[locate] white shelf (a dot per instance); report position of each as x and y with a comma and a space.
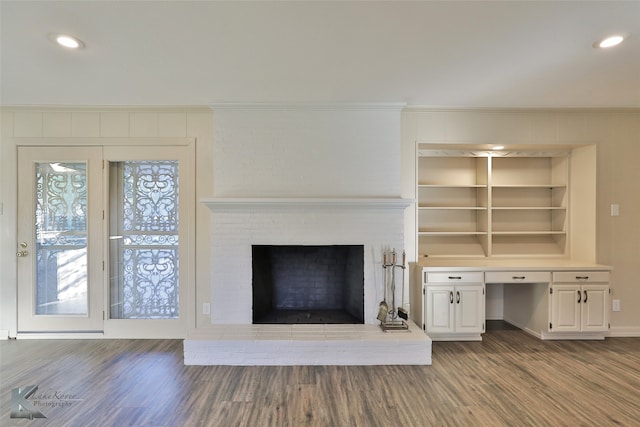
471, 205
452, 233
528, 208
525, 233
528, 186
452, 208
452, 186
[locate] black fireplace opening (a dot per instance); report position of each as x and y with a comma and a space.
308, 284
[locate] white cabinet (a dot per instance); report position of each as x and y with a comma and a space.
476, 203
454, 305
548, 301
579, 302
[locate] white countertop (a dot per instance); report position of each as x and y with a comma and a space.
508, 264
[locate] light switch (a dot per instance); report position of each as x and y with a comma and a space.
615, 305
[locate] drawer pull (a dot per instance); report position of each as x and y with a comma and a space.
518, 277
582, 277
455, 277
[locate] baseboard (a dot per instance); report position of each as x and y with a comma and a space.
58, 335
624, 332
576, 336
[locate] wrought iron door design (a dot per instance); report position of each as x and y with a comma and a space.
144, 240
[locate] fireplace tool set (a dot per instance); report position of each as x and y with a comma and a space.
392, 318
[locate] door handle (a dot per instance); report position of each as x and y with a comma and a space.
22, 252
579, 297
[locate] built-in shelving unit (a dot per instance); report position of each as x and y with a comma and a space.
452, 204
475, 203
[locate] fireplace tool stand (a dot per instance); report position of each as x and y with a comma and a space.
392, 319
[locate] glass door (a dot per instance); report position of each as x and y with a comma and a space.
59, 239
147, 199
103, 240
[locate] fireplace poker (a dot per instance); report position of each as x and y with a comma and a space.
402, 312
384, 308
392, 312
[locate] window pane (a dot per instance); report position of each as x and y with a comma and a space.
61, 238
144, 240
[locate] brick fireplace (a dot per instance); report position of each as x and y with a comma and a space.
241, 224
303, 175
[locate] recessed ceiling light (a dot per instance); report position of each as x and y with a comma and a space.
610, 41
67, 41
498, 147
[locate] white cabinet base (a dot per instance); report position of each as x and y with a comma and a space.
587, 336
549, 300
455, 337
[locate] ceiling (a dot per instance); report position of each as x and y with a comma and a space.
498, 54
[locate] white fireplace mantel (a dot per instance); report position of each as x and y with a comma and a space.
275, 203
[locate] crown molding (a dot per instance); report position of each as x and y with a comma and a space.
308, 106
516, 109
108, 108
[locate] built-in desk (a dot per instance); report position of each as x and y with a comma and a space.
548, 298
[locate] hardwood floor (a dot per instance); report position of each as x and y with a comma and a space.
509, 379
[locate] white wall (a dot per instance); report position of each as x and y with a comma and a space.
374, 164
307, 151
616, 135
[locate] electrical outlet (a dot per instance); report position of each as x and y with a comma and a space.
615, 305
206, 308
615, 209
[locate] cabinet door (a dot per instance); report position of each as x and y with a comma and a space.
594, 308
469, 308
565, 308
439, 309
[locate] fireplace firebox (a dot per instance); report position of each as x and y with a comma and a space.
308, 284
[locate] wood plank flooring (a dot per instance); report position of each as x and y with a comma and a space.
509, 379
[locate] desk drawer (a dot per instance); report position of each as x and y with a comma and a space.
581, 277
456, 277
517, 277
